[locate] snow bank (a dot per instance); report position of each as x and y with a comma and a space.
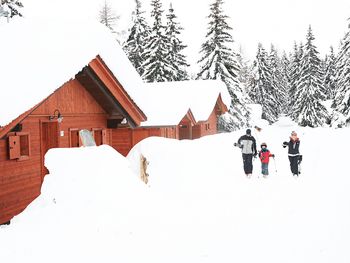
197, 207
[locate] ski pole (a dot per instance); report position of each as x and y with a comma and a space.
274, 161
256, 131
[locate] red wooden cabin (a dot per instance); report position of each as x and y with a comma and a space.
93, 100
97, 95
163, 119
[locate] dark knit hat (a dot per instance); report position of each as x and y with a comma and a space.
248, 132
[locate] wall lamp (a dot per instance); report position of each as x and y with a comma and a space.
56, 115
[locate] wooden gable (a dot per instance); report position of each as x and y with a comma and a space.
111, 93
220, 106
186, 125
99, 81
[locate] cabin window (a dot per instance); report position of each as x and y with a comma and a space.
100, 136
19, 146
86, 138
74, 140
207, 126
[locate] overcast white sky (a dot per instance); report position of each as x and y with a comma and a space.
280, 22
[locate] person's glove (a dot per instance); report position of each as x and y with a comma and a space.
273, 156
238, 145
300, 159
285, 144
255, 155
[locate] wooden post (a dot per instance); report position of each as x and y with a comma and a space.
143, 169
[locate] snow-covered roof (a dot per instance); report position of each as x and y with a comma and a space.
37, 57
167, 103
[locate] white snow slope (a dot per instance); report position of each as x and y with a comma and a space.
197, 207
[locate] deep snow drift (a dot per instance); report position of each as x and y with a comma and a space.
197, 207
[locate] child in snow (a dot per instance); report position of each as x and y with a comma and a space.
264, 155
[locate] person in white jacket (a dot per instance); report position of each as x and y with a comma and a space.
248, 145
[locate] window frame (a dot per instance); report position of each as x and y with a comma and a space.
22, 147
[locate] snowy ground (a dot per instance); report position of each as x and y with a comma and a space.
197, 207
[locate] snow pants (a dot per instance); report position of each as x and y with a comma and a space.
265, 168
293, 160
247, 163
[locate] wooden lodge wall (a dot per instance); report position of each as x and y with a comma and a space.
123, 139
204, 128
20, 180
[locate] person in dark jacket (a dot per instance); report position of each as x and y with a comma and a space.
264, 155
248, 145
294, 155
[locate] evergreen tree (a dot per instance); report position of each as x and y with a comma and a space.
310, 111
14, 6
157, 67
218, 61
245, 74
277, 82
134, 45
295, 70
262, 89
341, 102
286, 79
107, 16
329, 79
323, 69
176, 58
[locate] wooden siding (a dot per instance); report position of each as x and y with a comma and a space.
207, 127
20, 181
186, 125
123, 139
114, 86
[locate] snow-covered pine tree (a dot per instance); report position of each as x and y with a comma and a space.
329, 79
262, 90
286, 79
176, 58
341, 103
157, 67
13, 5
245, 74
323, 74
107, 16
278, 84
134, 45
309, 88
218, 61
295, 69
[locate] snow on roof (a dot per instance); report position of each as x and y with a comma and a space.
38, 57
168, 102
41, 57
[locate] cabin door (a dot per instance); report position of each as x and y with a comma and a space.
49, 139
185, 130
